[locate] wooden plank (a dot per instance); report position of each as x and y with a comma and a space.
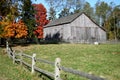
25, 63
39, 70
83, 74
44, 72
45, 61
28, 56
17, 54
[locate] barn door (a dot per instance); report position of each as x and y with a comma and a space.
88, 34
94, 34
80, 37
83, 34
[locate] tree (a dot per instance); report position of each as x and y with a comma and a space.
88, 9
102, 11
13, 29
9, 11
41, 19
64, 12
112, 24
28, 17
4, 7
53, 7
52, 14
78, 5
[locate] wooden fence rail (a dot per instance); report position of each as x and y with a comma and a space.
56, 64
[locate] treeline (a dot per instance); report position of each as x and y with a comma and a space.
104, 14
21, 19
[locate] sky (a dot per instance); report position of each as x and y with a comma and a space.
92, 2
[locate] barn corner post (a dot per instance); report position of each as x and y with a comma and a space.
57, 69
33, 63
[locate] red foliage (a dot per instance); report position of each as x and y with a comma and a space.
41, 20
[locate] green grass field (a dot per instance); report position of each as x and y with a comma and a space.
101, 60
10, 71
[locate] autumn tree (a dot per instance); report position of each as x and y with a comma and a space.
13, 29
41, 19
9, 13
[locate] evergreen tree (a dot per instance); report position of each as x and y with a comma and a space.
28, 17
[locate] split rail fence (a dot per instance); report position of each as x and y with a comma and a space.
56, 64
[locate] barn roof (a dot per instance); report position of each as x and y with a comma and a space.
63, 20
68, 19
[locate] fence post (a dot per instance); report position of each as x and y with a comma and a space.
13, 57
21, 58
7, 49
57, 69
7, 45
33, 63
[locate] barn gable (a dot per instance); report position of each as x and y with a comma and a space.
75, 28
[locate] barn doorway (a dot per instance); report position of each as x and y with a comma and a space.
86, 34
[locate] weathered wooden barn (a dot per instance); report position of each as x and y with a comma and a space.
76, 28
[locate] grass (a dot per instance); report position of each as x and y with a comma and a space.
10, 71
101, 60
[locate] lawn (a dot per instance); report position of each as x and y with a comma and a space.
10, 71
101, 60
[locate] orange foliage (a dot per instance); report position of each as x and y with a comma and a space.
14, 30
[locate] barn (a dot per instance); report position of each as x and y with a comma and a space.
76, 28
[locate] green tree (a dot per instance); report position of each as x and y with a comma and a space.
78, 5
88, 9
52, 13
4, 7
54, 6
28, 16
102, 11
64, 12
112, 24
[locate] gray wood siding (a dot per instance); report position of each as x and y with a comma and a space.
85, 30
81, 30
63, 30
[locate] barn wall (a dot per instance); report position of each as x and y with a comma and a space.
84, 30
83, 21
63, 32
102, 35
